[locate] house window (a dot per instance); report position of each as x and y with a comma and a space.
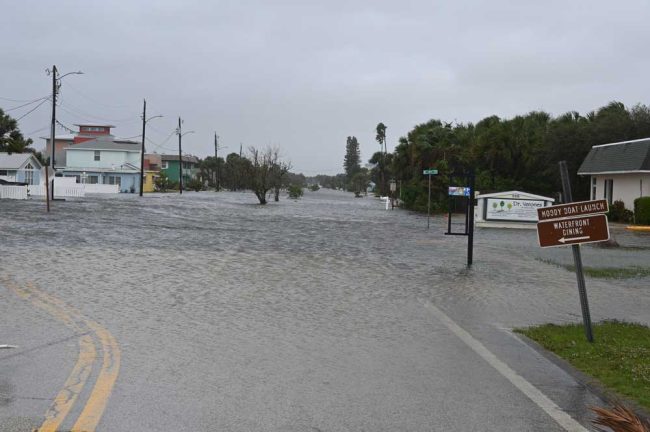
93, 179
3, 172
609, 190
165, 164
113, 180
97, 155
29, 174
594, 181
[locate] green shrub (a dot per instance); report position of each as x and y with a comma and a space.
295, 191
195, 184
618, 213
642, 211
314, 187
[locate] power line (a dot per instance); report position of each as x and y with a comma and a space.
160, 146
65, 127
32, 110
16, 100
25, 104
37, 130
71, 109
127, 138
67, 85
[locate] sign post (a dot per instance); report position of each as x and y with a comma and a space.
573, 223
429, 172
469, 194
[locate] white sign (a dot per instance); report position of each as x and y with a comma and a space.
512, 209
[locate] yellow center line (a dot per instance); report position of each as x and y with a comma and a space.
63, 402
92, 412
66, 398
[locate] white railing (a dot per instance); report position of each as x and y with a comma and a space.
13, 192
101, 188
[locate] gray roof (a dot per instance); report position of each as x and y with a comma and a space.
625, 156
186, 158
16, 161
102, 143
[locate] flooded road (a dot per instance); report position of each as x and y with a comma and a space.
308, 315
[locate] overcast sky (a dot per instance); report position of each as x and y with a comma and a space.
305, 75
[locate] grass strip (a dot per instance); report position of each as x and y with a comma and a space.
606, 272
619, 358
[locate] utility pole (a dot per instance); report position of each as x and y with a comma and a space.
180, 158
52, 128
56, 83
216, 159
144, 123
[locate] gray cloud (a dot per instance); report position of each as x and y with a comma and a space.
304, 75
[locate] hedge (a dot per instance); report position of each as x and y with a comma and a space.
642, 211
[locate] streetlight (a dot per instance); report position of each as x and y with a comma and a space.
56, 85
180, 154
144, 124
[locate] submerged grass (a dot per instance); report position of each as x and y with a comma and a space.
619, 357
606, 272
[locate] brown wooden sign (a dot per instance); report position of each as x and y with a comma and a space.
570, 231
572, 209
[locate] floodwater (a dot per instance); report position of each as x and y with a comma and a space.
305, 315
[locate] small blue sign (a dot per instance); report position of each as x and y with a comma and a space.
459, 191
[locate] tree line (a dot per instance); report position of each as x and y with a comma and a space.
520, 153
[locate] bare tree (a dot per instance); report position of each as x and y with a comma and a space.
280, 170
265, 171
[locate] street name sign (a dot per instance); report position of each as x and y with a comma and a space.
430, 172
571, 231
572, 209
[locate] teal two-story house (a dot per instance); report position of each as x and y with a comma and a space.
170, 167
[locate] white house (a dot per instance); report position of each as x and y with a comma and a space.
20, 167
619, 171
104, 161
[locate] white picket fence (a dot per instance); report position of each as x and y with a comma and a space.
60, 191
13, 192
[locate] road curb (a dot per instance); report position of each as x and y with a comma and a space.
591, 383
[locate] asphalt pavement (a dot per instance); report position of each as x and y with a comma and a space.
207, 312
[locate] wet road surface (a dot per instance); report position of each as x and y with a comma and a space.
312, 315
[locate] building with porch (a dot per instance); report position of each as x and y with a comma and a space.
104, 161
87, 132
21, 168
618, 171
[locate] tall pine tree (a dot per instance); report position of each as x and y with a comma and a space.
352, 159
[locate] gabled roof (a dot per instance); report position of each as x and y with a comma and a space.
17, 161
104, 143
621, 157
